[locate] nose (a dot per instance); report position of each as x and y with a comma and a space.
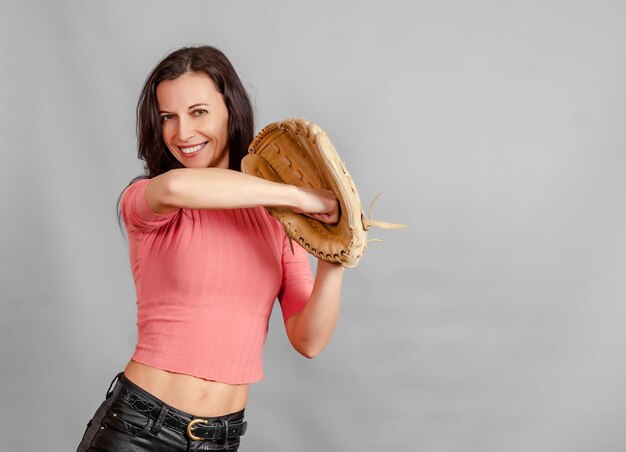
185, 129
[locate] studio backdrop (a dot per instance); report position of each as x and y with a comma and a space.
495, 322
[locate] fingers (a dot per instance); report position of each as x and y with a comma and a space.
320, 205
328, 218
329, 213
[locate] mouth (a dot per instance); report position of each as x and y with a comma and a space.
192, 150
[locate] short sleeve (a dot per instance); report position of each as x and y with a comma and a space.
135, 211
297, 282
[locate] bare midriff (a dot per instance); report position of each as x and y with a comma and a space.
190, 394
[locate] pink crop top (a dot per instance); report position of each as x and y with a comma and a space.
206, 281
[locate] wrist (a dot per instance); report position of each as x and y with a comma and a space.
326, 266
294, 198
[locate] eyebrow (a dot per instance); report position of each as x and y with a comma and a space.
189, 108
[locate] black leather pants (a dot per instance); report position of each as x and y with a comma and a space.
132, 420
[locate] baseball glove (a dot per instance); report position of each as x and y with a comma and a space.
300, 153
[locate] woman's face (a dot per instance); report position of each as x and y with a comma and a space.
194, 120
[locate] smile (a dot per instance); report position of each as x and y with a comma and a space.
191, 149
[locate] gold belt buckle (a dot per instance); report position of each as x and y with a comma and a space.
190, 428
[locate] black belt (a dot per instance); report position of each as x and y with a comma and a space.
196, 428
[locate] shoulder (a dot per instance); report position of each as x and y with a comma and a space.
135, 210
137, 184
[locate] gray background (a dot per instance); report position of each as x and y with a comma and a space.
495, 129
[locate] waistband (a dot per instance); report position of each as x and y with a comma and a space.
229, 426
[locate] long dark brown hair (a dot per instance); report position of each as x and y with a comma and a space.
212, 62
205, 59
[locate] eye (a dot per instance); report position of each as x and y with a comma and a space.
199, 112
166, 117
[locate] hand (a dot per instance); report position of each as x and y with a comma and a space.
321, 205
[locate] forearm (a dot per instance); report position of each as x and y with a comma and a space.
310, 330
215, 188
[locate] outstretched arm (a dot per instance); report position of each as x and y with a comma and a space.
310, 330
218, 188
215, 188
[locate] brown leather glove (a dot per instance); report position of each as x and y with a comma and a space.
300, 153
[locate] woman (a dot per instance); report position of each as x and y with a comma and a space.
208, 263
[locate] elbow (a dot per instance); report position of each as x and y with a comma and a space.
170, 189
309, 355
309, 351
170, 186
308, 344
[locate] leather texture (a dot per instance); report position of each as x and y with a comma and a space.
298, 152
130, 419
178, 422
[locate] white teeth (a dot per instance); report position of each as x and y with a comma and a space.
195, 148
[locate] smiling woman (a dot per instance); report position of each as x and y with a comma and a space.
195, 120
208, 263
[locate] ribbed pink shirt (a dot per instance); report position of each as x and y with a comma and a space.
206, 281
